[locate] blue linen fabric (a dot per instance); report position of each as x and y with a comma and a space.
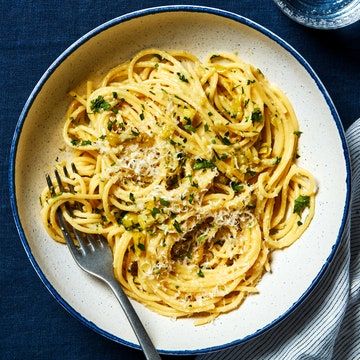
32, 35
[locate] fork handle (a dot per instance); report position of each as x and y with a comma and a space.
139, 330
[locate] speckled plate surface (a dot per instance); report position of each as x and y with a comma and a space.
323, 151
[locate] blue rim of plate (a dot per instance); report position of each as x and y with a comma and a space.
114, 22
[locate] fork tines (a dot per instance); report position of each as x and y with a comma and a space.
76, 240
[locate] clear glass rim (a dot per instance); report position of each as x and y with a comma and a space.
348, 15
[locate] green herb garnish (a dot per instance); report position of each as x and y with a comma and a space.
256, 115
201, 239
225, 140
191, 198
85, 142
155, 211
119, 216
302, 202
297, 133
182, 77
132, 197
203, 164
237, 187
111, 124
98, 104
250, 172
141, 246
189, 128
115, 95
200, 273
164, 202
177, 227
277, 160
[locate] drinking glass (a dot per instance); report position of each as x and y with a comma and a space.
322, 14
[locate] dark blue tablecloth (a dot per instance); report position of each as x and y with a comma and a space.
33, 34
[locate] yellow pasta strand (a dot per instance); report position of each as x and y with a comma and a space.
188, 169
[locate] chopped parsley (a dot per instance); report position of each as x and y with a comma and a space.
102, 137
297, 133
132, 197
277, 160
203, 164
99, 103
250, 82
256, 115
177, 227
115, 95
182, 77
189, 128
210, 113
111, 124
299, 223
237, 187
302, 202
85, 142
155, 211
225, 140
119, 216
164, 202
194, 184
142, 117
200, 273
206, 127
74, 142
135, 133
246, 103
250, 172
201, 239
141, 246
191, 198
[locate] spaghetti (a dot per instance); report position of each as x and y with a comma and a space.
188, 168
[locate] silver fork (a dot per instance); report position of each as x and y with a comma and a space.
94, 256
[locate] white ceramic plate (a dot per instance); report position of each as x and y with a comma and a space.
323, 151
